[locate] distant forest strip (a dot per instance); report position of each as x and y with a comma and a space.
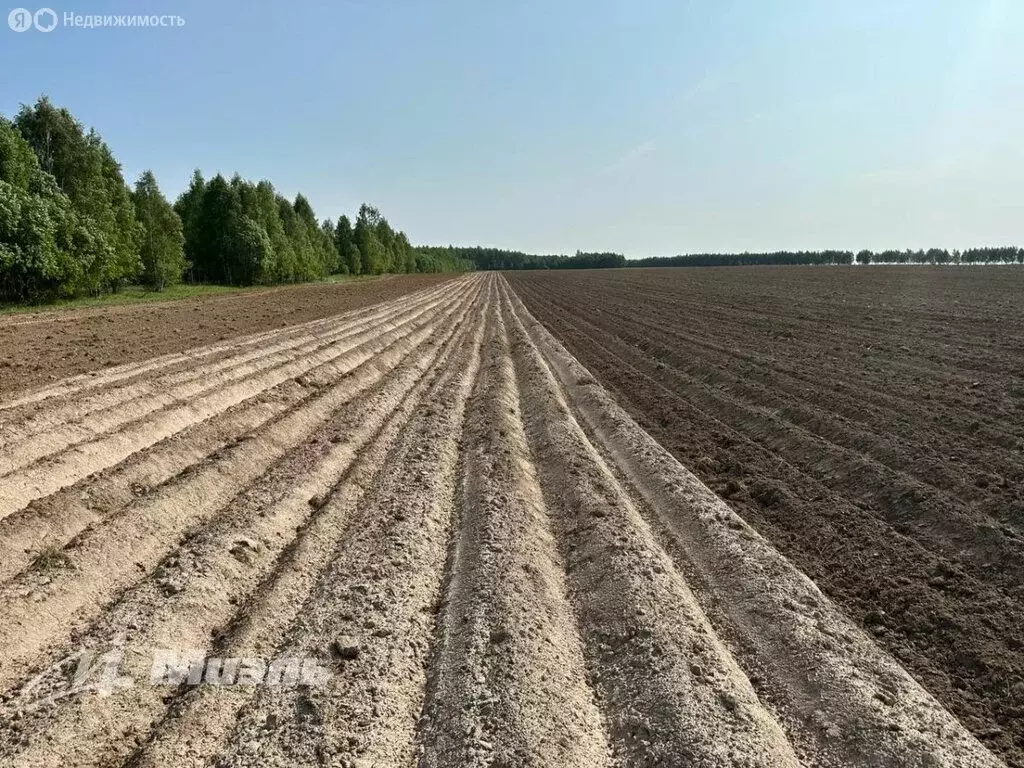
70, 226
496, 258
1007, 255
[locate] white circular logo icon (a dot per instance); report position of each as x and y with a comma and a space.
45, 19
20, 19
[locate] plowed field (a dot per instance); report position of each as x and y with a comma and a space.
868, 422
432, 499
51, 344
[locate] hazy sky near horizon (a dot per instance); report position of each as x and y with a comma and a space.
649, 127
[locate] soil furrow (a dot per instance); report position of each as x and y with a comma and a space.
845, 701
93, 343
168, 401
460, 549
44, 615
730, 341
78, 461
508, 683
941, 522
200, 722
217, 567
104, 411
955, 630
374, 606
52, 521
653, 656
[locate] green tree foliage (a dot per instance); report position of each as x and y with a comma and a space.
353, 259
748, 259
187, 207
265, 211
431, 258
323, 258
345, 245
371, 251
406, 254
380, 247
85, 170
163, 243
127, 231
46, 249
216, 222
454, 258
1008, 255
69, 224
327, 228
242, 233
992, 256
374, 257
1004, 255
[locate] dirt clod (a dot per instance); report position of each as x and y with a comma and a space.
346, 648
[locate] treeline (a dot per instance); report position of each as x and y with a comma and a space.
496, 258
1005, 255
71, 226
930, 256
746, 259
242, 233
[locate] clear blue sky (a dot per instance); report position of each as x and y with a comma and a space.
650, 127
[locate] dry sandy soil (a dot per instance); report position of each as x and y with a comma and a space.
432, 499
868, 422
37, 347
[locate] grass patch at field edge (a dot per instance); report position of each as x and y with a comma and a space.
136, 294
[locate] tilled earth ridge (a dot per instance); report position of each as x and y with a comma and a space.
433, 499
52, 344
867, 422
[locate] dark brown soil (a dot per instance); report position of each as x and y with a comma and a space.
868, 421
44, 346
